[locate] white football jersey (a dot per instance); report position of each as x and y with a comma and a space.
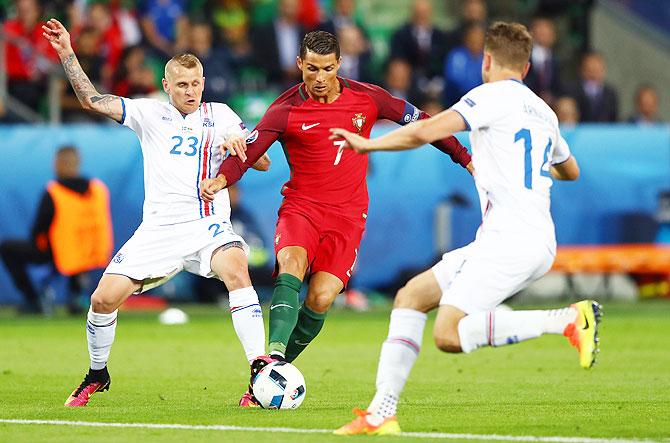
180, 151
515, 139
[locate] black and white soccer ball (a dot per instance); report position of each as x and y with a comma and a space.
279, 385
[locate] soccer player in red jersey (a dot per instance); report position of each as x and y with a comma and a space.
322, 218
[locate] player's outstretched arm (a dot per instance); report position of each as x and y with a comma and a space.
568, 170
411, 136
90, 99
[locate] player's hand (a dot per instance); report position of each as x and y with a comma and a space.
235, 146
55, 32
471, 169
352, 141
210, 186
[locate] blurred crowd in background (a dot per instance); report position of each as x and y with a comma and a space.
425, 51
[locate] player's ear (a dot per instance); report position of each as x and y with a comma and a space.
525, 70
165, 86
298, 61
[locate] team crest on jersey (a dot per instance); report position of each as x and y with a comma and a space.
252, 137
358, 121
207, 123
118, 258
277, 238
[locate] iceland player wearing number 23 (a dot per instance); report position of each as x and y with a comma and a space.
180, 142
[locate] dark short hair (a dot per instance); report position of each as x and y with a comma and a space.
509, 43
67, 149
320, 42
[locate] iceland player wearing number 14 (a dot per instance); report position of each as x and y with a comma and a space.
180, 143
322, 218
517, 149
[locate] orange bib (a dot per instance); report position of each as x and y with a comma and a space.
81, 231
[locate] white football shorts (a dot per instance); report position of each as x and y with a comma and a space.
481, 275
154, 254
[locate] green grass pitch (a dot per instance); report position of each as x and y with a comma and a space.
195, 373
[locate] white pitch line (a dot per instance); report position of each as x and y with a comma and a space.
435, 435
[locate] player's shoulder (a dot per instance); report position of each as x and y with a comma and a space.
363, 87
291, 96
221, 111
145, 102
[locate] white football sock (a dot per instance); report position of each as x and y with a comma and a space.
556, 320
248, 321
399, 352
100, 330
498, 328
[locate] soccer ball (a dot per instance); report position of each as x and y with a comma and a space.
279, 385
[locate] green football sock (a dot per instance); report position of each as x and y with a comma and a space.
306, 329
283, 311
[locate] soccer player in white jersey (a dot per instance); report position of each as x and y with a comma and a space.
182, 143
516, 150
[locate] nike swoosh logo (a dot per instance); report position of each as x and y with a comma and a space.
281, 305
306, 127
299, 343
586, 323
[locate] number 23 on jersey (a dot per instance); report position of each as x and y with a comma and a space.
188, 147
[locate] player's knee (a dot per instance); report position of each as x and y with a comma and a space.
448, 342
320, 301
103, 302
292, 262
235, 276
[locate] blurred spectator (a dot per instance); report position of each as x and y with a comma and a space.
309, 14
226, 15
72, 230
217, 72
431, 106
355, 53
597, 101
344, 15
134, 77
472, 12
646, 106
420, 43
277, 45
231, 28
543, 76
109, 40
92, 63
566, 110
398, 80
164, 25
126, 19
28, 55
463, 65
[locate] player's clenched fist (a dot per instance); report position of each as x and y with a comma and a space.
353, 141
210, 186
55, 32
235, 146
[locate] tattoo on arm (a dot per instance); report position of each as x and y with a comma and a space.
105, 101
78, 79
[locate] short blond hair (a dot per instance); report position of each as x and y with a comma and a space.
186, 60
510, 44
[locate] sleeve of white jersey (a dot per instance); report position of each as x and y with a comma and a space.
136, 113
480, 107
561, 151
234, 127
